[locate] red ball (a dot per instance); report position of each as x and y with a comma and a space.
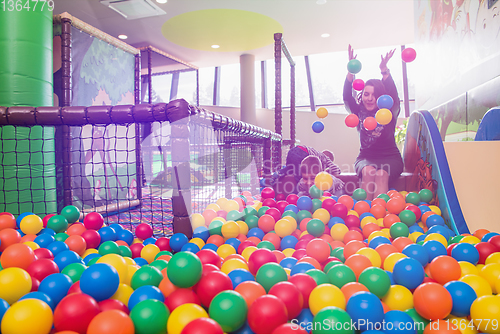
290, 328
352, 221
267, 192
485, 249
211, 284
290, 295
353, 234
292, 199
112, 304
181, 296
299, 253
144, 231
275, 213
328, 204
46, 219
408, 55
269, 202
243, 245
163, 244
74, 313
305, 284
495, 240
351, 120
42, 268
318, 249
339, 210
266, 313
358, 84
370, 123
136, 249
202, 326
281, 205
208, 256
75, 288
260, 257
266, 223
17, 255
92, 238
415, 209
280, 197
93, 221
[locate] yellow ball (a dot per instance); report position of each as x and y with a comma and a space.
322, 214
398, 298
230, 229
129, 261
230, 205
323, 181
368, 219
479, 284
248, 251
338, 232
435, 209
131, 269
493, 258
222, 220
149, 252
288, 252
117, 262
372, 255
470, 239
243, 227
284, 227
220, 202
376, 234
89, 251
464, 325
28, 316
437, 237
303, 233
233, 264
391, 260
497, 286
322, 112
383, 116
414, 236
123, 293
380, 222
31, 244
491, 272
197, 220
257, 205
404, 193
326, 295
198, 242
213, 206
468, 268
225, 250
14, 283
31, 224
182, 315
353, 212
485, 313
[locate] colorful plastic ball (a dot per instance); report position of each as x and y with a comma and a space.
340, 275
478, 283
358, 84
31, 224
417, 252
432, 301
398, 322
351, 120
57, 223
321, 112
14, 283
370, 123
184, 269
291, 296
266, 313
177, 241
267, 192
408, 217
229, 309
385, 102
323, 181
56, 286
111, 321
485, 312
383, 116
27, 316
203, 326
144, 231
325, 295
107, 234
485, 249
258, 258
463, 295
366, 310
239, 276
17, 255
150, 316
7, 220
93, 221
315, 227
408, 55
74, 312
66, 258
318, 126
100, 280
211, 284
71, 213
398, 298
408, 272
354, 66
269, 274
146, 275
92, 238
444, 269
145, 292
334, 320
399, 230
376, 281
434, 249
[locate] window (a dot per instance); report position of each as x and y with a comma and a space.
206, 79
187, 87
230, 85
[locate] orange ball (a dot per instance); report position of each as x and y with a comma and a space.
76, 229
390, 219
8, 237
369, 228
378, 211
255, 240
166, 287
279, 255
361, 207
250, 291
480, 233
17, 255
318, 249
443, 326
7, 220
111, 321
352, 235
28, 237
328, 238
445, 269
234, 256
303, 224
351, 288
215, 239
266, 223
401, 242
76, 243
352, 247
274, 239
384, 250
379, 201
432, 301
358, 263
395, 205
347, 201
337, 243
310, 260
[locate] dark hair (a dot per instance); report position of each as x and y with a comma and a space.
378, 88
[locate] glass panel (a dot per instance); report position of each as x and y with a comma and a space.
206, 78
161, 88
230, 85
187, 87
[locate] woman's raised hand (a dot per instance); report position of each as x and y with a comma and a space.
351, 53
385, 60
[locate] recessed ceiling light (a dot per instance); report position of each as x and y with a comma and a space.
122, 36
215, 46
325, 35
320, 2
161, 1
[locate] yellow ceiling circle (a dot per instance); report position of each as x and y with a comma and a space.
231, 29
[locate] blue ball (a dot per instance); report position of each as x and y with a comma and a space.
190, 247
145, 292
100, 281
424, 208
40, 296
210, 246
140, 261
288, 262
421, 238
291, 207
3, 308
417, 252
440, 229
378, 241
56, 286
398, 322
318, 126
415, 228
409, 273
434, 249
365, 310
301, 268
245, 329
488, 236
385, 101
62, 259
233, 242
256, 232
116, 227
57, 247
149, 241
177, 241
44, 240
107, 233
366, 214
465, 252
48, 231
391, 277
89, 257
305, 318
201, 232
125, 235
304, 203
239, 275
335, 220
288, 241
462, 295
434, 220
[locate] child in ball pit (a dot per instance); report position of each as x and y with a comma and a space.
310, 167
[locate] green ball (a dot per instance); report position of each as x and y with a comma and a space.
125, 251
249, 211
456, 239
338, 253
315, 192
319, 276
61, 237
229, 310
385, 197
163, 253
340, 274
146, 275
420, 322
399, 229
215, 227
57, 223
413, 198
150, 316
71, 213
376, 280
74, 271
408, 217
332, 319
359, 194
262, 211
252, 221
266, 244
303, 214
315, 227
289, 213
317, 203
425, 195
234, 215
270, 274
354, 66
159, 264
109, 247
329, 265
184, 269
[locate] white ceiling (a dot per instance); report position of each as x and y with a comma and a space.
361, 23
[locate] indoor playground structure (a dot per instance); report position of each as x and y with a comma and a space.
123, 217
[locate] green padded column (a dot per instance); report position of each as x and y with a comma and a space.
27, 155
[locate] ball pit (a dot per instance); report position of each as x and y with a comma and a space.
251, 268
